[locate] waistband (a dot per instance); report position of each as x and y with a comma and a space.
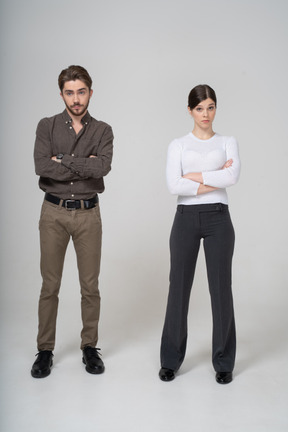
197, 208
72, 204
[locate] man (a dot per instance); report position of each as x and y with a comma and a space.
72, 154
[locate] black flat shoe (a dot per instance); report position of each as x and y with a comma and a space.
93, 362
224, 377
42, 366
166, 374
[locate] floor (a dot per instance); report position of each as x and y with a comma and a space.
129, 396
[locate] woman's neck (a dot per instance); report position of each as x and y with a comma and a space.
203, 134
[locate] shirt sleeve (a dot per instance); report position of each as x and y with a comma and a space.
176, 184
93, 167
44, 166
226, 177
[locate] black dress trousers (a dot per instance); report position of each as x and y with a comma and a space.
212, 223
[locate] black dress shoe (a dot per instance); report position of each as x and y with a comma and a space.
42, 366
92, 360
224, 377
166, 374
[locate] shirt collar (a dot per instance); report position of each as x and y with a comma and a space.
66, 117
86, 119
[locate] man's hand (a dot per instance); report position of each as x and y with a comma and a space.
54, 158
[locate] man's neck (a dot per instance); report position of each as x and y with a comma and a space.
76, 120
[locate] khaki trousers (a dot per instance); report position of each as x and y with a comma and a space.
57, 225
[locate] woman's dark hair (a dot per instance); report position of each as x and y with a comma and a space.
199, 94
73, 73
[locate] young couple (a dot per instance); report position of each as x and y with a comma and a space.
73, 152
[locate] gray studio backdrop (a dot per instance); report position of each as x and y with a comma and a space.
144, 58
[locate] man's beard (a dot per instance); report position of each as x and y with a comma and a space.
78, 113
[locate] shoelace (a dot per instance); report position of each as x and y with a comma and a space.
92, 352
45, 352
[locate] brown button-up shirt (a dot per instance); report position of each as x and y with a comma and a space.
77, 176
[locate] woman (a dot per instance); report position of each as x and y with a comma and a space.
200, 166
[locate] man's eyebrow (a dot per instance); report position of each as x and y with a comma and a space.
71, 91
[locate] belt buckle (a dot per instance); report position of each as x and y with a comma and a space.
69, 208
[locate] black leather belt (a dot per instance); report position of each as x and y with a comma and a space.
72, 204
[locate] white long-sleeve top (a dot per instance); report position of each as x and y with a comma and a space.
190, 154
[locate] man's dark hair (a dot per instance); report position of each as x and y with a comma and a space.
73, 73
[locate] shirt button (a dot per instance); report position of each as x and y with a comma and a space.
70, 127
72, 154
72, 195
71, 183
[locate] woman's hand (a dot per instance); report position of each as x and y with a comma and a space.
197, 177
227, 164
205, 189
